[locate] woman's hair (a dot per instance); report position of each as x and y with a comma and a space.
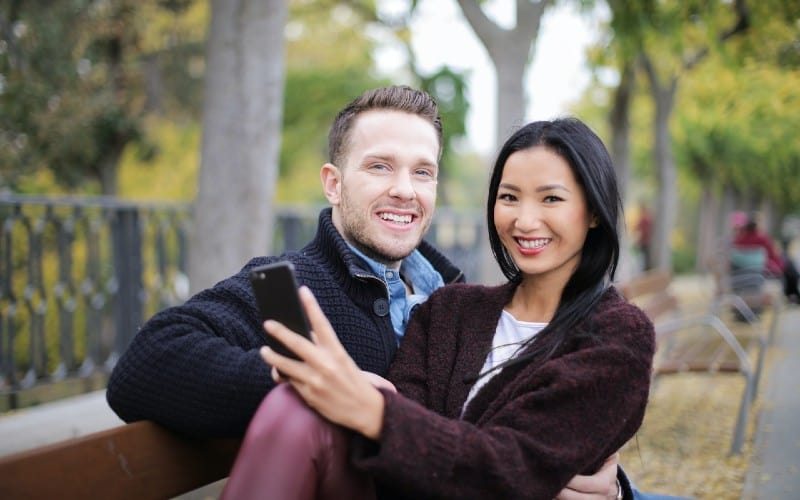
393, 98
593, 169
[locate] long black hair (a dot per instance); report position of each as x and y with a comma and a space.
593, 169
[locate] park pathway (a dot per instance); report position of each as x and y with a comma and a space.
774, 472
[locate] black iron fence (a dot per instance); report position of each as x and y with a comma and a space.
79, 276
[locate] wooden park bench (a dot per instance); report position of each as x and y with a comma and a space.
701, 342
135, 461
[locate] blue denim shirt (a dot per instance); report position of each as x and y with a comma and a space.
424, 279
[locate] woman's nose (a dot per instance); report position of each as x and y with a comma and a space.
528, 219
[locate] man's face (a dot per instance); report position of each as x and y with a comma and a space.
384, 195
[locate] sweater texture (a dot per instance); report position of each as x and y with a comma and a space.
532, 427
196, 369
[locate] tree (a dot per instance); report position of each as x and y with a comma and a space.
78, 80
741, 151
510, 52
69, 102
673, 37
241, 137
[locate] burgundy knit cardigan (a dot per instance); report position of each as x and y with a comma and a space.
532, 427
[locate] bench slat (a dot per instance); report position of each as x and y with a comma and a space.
133, 461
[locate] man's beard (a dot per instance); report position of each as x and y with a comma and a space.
356, 232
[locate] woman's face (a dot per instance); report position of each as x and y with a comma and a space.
541, 215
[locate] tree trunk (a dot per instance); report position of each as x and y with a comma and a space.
667, 204
708, 229
663, 95
620, 122
510, 51
108, 176
242, 116
511, 100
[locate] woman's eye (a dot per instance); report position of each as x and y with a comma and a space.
552, 199
506, 197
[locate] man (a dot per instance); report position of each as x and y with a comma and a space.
196, 368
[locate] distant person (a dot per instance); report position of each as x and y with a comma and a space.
776, 265
501, 391
644, 233
791, 275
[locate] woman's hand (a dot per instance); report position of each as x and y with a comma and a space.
326, 378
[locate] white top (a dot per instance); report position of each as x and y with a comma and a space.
509, 336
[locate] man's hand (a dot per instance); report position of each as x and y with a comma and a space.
325, 376
600, 485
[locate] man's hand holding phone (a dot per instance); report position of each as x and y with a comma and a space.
325, 376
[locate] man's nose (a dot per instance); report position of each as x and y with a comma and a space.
403, 186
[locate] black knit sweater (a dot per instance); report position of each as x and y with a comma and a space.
195, 368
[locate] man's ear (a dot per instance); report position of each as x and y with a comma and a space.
331, 178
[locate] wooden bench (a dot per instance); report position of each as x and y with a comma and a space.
685, 345
134, 461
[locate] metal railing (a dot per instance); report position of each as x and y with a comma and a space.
78, 276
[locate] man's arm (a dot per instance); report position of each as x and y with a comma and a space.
195, 368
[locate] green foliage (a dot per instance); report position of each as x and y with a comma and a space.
737, 126
170, 176
77, 79
683, 260
449, 89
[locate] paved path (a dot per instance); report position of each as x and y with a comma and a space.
775, 466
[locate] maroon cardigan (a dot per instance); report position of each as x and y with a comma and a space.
532, 427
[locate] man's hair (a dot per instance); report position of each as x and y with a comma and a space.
395, 98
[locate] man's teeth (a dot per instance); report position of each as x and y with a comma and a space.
402, 219
538, 243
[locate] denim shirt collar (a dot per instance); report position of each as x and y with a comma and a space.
418, 271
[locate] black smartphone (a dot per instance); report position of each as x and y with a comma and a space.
275, 288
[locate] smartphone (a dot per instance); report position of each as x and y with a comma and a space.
275, 288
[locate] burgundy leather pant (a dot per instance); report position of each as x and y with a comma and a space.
290, 452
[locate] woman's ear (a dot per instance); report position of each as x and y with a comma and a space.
331, 178
593, 222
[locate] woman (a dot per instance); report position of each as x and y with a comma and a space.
497, 387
